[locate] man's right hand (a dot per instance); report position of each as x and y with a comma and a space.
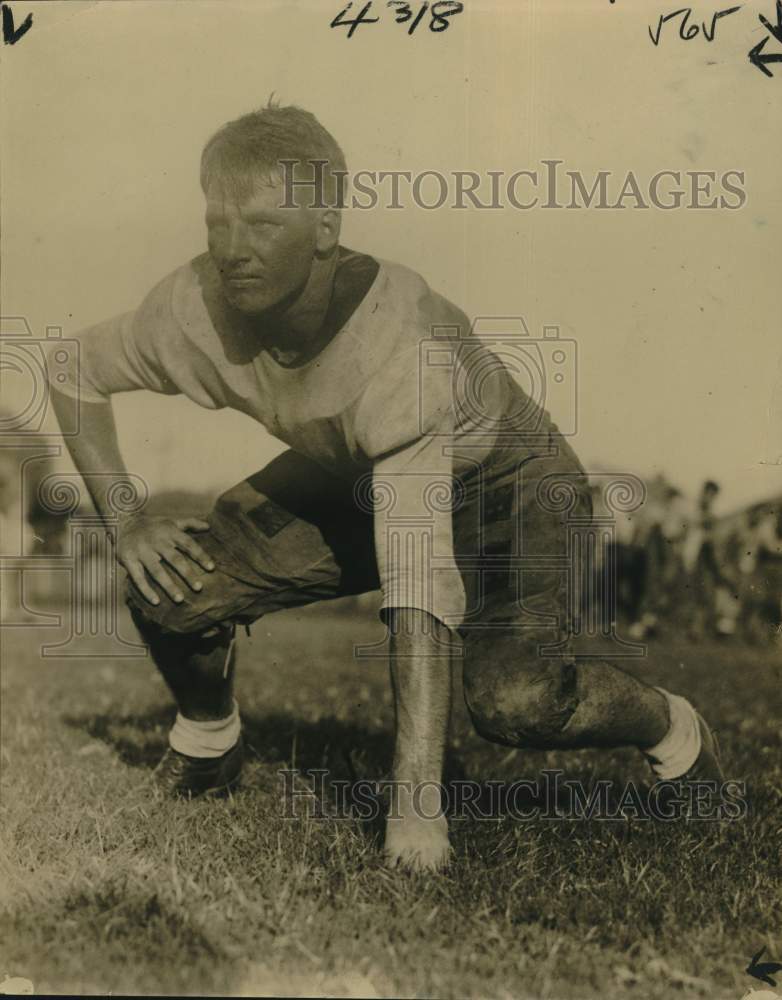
149, 546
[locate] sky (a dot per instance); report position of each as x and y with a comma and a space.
674, 315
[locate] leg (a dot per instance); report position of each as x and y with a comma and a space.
654, 587
638, 581
523, 685
198, 668
704, 581
520, 698
287, 536
530, 701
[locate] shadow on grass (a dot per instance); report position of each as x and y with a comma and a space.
347, 750
138, 739
118, 937
278, 738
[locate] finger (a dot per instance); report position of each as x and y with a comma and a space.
194, 550
139, 578
184, 567
154, 567
192, 524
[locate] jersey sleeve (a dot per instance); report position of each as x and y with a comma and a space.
405, 425
121, 354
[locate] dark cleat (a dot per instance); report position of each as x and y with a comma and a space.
178, 775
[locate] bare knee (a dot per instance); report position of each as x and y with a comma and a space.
523, 703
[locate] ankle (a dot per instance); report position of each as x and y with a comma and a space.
679, 748
205, 737
207, 710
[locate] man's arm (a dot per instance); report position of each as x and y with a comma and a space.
404, 423
123, 354
416, 829
145, 545
95, 450
422, 587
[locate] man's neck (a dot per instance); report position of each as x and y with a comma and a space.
294, 334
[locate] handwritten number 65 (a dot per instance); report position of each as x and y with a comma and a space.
686, 31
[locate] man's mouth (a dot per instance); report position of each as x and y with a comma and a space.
240, 280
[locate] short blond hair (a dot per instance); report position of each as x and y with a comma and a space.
256, 145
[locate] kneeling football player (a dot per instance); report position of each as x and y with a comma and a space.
395, 478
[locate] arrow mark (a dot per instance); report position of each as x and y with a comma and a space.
12, 34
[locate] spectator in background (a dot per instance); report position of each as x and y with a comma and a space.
760, 573
624, 586
659, 529
711, 604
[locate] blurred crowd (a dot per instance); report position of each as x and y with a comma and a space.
679, 565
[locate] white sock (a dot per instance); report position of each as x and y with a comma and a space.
212, 738
678, 750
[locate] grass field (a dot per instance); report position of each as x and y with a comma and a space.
106, 889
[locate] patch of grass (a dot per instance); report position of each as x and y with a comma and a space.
105, 888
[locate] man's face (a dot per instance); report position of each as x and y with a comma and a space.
263, 253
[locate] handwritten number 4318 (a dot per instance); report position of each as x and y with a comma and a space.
438, 15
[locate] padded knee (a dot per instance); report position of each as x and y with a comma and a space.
520, 698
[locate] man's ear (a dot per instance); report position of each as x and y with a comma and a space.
327, 231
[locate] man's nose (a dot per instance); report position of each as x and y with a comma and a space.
238, 246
